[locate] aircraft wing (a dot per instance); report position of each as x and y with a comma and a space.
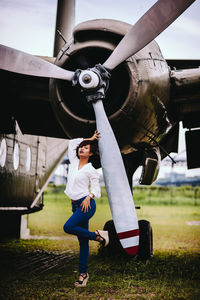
185, 101
26, 100
180, 64
185, 91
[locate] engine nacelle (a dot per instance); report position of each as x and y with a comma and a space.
137, 99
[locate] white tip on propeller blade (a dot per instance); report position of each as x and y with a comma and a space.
147, 28
23, 63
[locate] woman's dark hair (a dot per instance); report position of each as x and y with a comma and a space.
93, 146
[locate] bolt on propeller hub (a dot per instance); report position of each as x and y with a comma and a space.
88, 79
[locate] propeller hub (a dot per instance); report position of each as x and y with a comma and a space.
88, 80
94, 82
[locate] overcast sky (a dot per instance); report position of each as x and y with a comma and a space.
29, 25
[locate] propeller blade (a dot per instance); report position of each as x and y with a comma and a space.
147, 28
117, 186
23, 63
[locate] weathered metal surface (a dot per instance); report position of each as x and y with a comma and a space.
186, 96
65, 19
138, 94
20, 187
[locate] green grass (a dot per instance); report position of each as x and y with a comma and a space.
170, 227
167, 195
172, 273
166, 276
169, 222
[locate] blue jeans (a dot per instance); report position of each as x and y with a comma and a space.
78, 224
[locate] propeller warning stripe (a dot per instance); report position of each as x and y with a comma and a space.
132, 250
128, 234
130, 241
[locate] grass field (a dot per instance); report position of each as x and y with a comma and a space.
172, 273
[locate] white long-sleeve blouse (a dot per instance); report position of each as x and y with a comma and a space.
79, 181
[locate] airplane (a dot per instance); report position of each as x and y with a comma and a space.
144, 97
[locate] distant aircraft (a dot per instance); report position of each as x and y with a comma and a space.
106, 69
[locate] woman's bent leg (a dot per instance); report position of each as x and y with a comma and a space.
73, 225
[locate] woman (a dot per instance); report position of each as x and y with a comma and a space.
82, 174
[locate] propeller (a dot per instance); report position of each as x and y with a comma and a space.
23, 63
95, 83
147, 28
